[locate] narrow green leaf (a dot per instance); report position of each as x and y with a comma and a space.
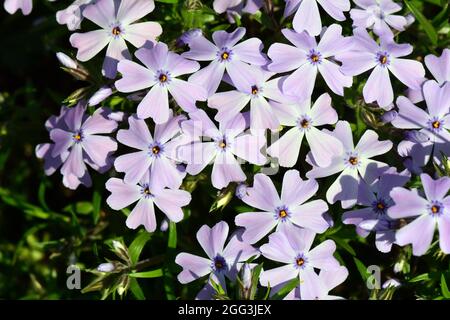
344, 245
172, 242
136, 289
147, 274
361, 268
41, 195
137, 245
291, 285
444, 288
426, 25
96, 202
419, 278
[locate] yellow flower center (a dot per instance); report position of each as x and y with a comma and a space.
353, 160
300, 261
225, 55
435, 209
162, 78
156, 149
436, 124
116, 31
282, 213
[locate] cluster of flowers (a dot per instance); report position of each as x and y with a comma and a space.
186, 143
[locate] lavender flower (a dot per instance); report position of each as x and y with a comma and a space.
11, 6
308, 58
304, 119
187, 37
378, 15
161, 72
354, 163
283, 213
367, 54
293, 249
156, 155
307, 16
147, 195
223, 261
226, 54
427, 212
76, 142
328, 280
117, 26
375, 199
254, 88
432, 124
236, 7
439, 68
227, 142
72, 16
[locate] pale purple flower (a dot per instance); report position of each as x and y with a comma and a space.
73, 14
117, 23
222, 261
11, 6
427, 212
440, 70
221, 147
433, 124
308, 58
292, 248
161, 72
367, 54
235, 8
77, 142
156, 154
328, 280
305, 119
225, 54
378, 15
66, 61
307, 16
389, 116
285, 212
375, 200
100, 95
187, 37
354, 163
147, 195
254, 88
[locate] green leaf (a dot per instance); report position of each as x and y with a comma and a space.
444, 288
148, 274
137, 245
361, 268
136, 289
344, 245
41, 195
172, 242
168, 1
426, 25
291, 285
422, 277
96, 202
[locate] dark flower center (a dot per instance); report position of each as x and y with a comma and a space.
304, 123
255, 90
282, 213
300, 261
314, 58
225, 55
162, 78
383, 59
147, 191
116, 31
436, 124
222, 144
353, 161
77, 136
156, 149
219, 263
435, 209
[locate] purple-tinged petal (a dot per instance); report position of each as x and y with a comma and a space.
278, 275
301, 82
63, 141
437, 98
228, 39
74, 163
263, 195
335, 8
250, 51
164, 173
257, 225
117, 51
209, 77
137, 136
321, 257
132, 10
345, 188
369, 146
435, 189
135, 165
134, 77
407, 203
213, 239
444, 233
261, 115
179, 65
355, 217
324, 147
186, 94
419, 233
307, 18
194, 267
356, 62
154, 58
141, 34
155, 105
197, 156
102, 13
410, 72
248, 147
285, 57
278, 249
228, 104
122, 194
201, 49
322, 112
99, 148
171, 201
287, 148
334, 78
311, 216
439, 66
296, 191
239, 251
142, 214
166, 131
226, 169
409, 116
98, 123
378, 87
